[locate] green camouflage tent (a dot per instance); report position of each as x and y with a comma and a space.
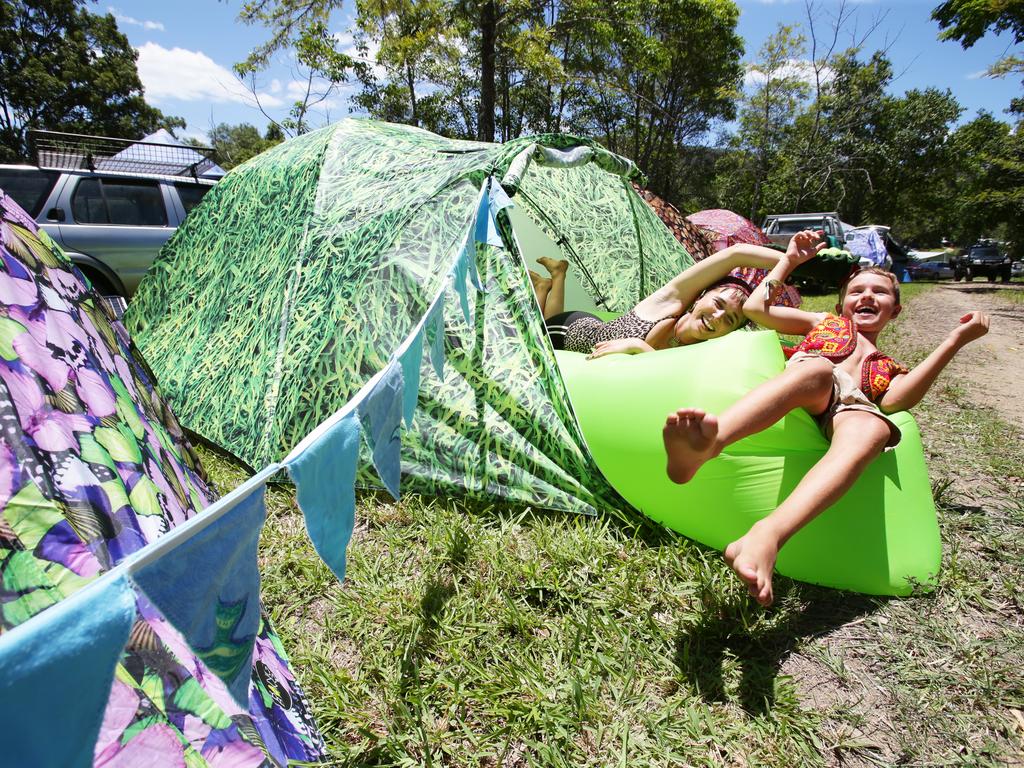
304, 269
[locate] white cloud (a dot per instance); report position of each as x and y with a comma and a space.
801, 69
199, 136
296, 89
978, 75
126, 20
177, 73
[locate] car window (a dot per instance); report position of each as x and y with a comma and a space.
984, 252
191, 194
28, 186
793, 226
87, 205
113, 201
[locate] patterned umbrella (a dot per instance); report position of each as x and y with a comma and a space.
725, 228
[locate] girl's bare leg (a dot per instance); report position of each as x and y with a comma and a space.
857, 439
556, 296
692, 436
541, 287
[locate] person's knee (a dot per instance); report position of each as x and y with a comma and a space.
815, 375
872, 436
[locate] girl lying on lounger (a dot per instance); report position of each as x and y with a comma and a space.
702, 302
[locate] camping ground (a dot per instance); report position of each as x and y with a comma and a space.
489, 635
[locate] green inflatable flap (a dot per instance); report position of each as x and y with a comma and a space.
881, 538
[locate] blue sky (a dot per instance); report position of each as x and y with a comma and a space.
186, 50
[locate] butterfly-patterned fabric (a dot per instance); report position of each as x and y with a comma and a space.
94, 466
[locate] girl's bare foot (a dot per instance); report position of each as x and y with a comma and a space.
540, 283
753, 559
690, 440
553, 266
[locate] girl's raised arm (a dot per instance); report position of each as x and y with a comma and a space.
759, 307
693, 281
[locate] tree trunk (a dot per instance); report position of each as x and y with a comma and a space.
410, 79
488, 37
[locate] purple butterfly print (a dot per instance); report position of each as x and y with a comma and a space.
52, 430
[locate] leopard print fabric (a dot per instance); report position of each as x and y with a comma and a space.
583, 334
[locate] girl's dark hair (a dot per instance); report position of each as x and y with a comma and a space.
731, 281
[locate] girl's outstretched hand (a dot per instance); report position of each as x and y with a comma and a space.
620, 347
972, 326
804, 246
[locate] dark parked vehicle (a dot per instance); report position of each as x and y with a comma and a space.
110, 204
983, 259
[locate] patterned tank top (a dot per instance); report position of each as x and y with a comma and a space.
583, 334
835, 339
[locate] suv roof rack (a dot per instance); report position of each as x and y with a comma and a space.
76, 152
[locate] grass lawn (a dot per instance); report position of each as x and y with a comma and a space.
485, 635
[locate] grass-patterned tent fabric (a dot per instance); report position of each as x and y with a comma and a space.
304, 269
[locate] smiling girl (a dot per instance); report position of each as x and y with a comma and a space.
700, 303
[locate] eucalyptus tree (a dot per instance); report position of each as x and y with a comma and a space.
967, 21
777, 89
64, 68
650, 77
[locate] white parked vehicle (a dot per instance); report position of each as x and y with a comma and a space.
780, 227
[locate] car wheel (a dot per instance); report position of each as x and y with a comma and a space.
115, 302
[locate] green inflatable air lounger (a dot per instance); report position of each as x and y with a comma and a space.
881, 538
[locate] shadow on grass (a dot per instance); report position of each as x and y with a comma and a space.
436, 594
729, 628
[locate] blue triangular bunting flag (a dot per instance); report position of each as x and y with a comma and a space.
209, 589
498, 199
324, 475
56, 671
381, 415
469, 252
411, 361
435, 334
486, 230
459, 281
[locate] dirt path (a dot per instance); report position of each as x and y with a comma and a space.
874, 680
991, 370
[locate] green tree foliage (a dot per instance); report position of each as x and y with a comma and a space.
234, 144
303, 28
645, 76
648, 77
753, 174
967, 21
989, 184
993, 193
842, 144
63, 68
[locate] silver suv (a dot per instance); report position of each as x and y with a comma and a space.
110, 203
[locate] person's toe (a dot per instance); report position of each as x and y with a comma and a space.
730, 553
709, 426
